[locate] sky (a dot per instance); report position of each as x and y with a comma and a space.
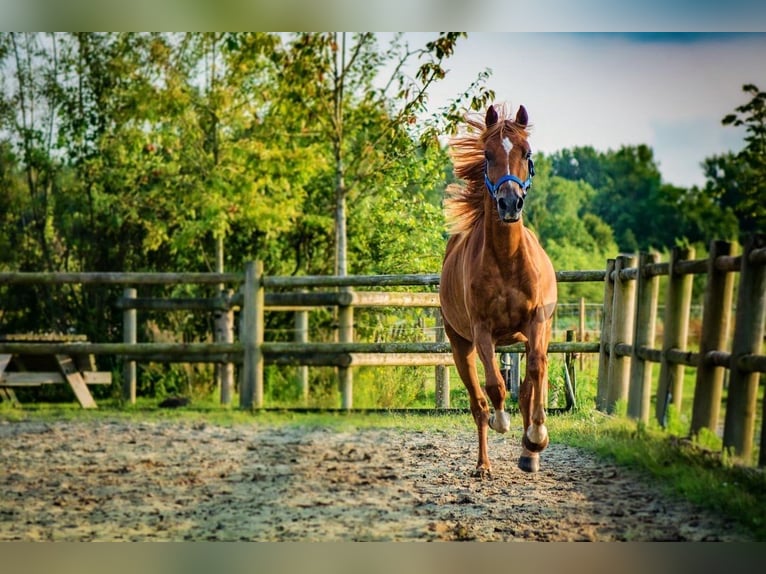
669, 91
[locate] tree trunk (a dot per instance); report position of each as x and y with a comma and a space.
340, 226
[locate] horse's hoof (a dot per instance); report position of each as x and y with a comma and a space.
537, 434
529, 463
533, 446
482, 473
500, 421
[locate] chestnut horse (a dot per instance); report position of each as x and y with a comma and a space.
497, 284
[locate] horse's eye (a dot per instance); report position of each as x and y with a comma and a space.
489, 156
528, 155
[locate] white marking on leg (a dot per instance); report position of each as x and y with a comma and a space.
537, 433
500, 421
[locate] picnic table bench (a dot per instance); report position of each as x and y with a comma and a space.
78, 370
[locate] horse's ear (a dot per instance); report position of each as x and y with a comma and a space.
521, 116
491, 117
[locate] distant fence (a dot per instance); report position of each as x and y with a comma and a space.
625, 348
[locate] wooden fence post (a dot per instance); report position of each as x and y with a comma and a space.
442, 371
345, 374
251, 395
569, 365
606, 328
621, 333
762, 455
748, 339
219, 325
647, 291
129, 336
716, 315
581, 330
675, 332
302, 336
510, 366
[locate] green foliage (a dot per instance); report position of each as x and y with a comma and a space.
396, 234
279, 387
708, 440
364, 123
627, 186
391, 387
677, 423
559, 211
743, 188
136, 151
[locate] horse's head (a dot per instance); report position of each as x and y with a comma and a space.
508, 167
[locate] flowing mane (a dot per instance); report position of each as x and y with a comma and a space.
464, 204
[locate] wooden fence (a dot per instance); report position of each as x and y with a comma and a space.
248, 294
628, 334
626, 352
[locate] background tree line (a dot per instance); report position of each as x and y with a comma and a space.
315, 153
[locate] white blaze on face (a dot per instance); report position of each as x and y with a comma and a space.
507, 145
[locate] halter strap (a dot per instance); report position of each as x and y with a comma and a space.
524, 185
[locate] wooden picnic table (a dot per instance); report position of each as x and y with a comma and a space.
33, 369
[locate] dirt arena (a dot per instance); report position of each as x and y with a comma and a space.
112, 480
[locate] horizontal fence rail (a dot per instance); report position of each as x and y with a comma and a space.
204, 350
117, 278
274, 281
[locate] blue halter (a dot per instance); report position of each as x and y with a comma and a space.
524, 185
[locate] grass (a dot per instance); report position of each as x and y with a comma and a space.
680, 467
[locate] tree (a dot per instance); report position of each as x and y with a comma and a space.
366, 120
558, 210
630, 196
750, 186
28, 119
702, 216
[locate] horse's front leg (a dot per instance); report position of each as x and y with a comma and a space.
500, 420
533, 398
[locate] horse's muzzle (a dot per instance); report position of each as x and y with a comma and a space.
509, 207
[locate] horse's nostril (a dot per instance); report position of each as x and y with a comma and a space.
501, 204
520, 203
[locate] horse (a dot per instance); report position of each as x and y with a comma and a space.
497, 285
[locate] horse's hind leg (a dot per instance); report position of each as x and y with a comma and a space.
464, 353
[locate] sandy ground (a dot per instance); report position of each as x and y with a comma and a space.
118, 480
